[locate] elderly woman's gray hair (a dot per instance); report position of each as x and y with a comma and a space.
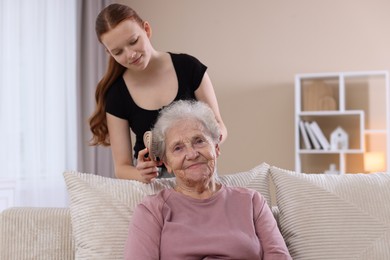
180, 110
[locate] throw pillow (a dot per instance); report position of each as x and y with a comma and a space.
334, 216
101, 208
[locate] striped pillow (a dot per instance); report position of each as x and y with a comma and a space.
334, 216
101, 208
256, 179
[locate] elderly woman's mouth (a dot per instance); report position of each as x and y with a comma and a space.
195, 165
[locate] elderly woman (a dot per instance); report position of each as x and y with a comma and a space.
199, 218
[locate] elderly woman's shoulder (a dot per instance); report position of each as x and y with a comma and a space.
158, 199
235, 190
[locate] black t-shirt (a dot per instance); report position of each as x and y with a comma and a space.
189, 71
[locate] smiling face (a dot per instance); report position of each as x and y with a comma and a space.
129, 44
190, 153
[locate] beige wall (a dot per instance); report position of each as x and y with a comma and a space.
253, 49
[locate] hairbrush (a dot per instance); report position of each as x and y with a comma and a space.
148, 142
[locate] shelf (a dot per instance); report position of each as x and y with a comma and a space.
330, 113
348, 151
350, 121
375, 131
358, 102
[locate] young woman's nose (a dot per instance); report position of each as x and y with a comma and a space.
130, 54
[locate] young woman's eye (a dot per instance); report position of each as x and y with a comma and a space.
134, 42
117, 53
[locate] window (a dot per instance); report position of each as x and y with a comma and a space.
38, 98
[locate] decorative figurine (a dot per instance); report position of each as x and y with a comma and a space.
332, 169
339, 139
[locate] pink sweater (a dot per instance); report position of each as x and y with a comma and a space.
235, 223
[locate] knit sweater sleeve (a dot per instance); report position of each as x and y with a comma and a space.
143, 241
271, 240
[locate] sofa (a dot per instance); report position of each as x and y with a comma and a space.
320, 216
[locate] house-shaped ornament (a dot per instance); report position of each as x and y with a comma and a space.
339, 139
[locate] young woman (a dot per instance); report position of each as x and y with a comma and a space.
138, 83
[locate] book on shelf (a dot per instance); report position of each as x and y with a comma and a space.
304, 135
312, 137
320, 135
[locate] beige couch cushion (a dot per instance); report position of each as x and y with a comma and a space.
334, 216
36, 233
101, 208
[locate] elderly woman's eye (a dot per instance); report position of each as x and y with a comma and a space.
200, 141
177, 148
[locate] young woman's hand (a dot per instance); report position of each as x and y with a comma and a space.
147, 168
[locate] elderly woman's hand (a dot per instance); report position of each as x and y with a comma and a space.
147, 168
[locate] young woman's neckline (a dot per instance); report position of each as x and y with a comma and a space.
167, 103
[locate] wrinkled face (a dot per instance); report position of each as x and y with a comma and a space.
129, 44
190, 152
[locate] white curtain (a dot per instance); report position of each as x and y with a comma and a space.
38, 98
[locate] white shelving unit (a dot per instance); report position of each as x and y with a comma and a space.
359, 102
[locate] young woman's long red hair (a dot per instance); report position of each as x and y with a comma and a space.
108, 19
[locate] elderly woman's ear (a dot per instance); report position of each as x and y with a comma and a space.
217, 150
169, 169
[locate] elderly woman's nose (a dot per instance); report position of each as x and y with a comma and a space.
191, 153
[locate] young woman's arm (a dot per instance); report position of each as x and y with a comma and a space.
206, 93
122, 153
